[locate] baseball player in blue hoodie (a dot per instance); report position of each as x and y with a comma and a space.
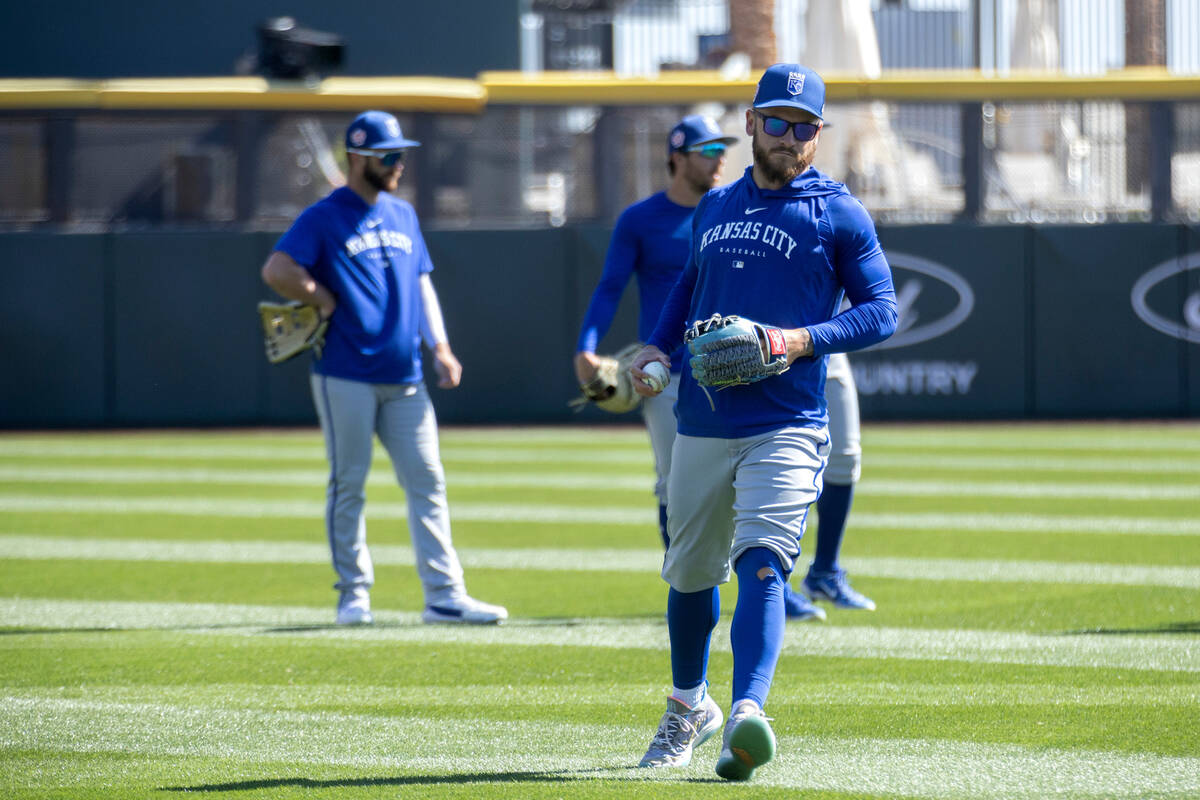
780, 247
650, 242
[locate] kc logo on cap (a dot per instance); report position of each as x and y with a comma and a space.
377, 130
791, 85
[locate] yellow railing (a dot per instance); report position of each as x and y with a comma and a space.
461, 95
448, 95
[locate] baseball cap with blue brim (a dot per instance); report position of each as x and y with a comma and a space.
695, 130
791, 85
376, 130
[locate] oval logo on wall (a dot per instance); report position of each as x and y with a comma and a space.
932, 299
1151, 292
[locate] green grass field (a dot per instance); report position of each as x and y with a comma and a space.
166, 605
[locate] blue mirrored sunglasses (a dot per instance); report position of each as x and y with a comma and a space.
389, 159
708, 150
803, 131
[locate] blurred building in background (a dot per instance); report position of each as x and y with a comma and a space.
547, 164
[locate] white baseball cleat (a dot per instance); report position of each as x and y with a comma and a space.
680, 731
464, 610
748, 743
354, 608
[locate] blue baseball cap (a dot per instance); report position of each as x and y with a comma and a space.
376, 130
696, 129
791, 85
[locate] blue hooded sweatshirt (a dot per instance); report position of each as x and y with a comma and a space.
784, 258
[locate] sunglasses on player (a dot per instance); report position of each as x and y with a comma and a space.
388, 159
708, 150
803, 131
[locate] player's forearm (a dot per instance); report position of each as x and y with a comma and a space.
855, 328
799, 343
294, 282
433, 326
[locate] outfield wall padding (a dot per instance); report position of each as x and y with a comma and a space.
997, 322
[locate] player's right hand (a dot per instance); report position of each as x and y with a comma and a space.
648, 353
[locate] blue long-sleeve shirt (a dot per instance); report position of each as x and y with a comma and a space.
650, 240
785, 258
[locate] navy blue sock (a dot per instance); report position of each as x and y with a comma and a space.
758, 624
833, 506
691, 617
662, 526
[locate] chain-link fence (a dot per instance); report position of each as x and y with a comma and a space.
529, 166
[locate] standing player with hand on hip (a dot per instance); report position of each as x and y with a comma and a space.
358, 255
776, 250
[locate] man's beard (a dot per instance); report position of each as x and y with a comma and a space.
377, 180
702, 183
774, 174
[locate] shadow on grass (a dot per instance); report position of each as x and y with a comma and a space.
548, 776
527, 622
1174, 627
161, 628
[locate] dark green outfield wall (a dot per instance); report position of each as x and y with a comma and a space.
170, 38
997, 323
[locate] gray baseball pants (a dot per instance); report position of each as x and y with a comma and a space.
729, 495
659, 415
845, 433
351, 414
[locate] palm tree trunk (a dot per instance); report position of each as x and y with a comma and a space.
752, 30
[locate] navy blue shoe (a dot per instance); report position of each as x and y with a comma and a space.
799, 607
834, 587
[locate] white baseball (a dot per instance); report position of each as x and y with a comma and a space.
657, 376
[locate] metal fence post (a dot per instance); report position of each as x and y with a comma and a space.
972, 162
1162, 146
59, 142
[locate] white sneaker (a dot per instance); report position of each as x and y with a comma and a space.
681, 730
464, 610
748, 742
354, 608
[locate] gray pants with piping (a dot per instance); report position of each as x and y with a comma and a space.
351, 414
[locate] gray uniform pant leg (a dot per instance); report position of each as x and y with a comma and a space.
407, 428
845, 436
730, 495
659, 414
346, 410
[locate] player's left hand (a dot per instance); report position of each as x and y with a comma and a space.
734, 351
448, 370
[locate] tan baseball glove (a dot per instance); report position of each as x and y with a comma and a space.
612, 388
291, 328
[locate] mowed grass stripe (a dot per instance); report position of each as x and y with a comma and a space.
189, 450
571, 514
584, 559
625, 454
572, 751
383, 476
1131, 651
919, 458
790, 691
1182, 437
580, 481
584, 752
